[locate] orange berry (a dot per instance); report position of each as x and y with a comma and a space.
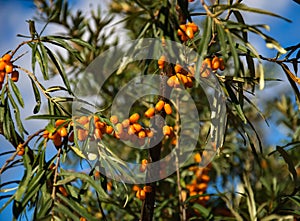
98, 134
119, 128
97, 174
179, 32
6, 57
159, 106
171, 81
143, 166
178, 68
222, 65
182, 77
167, 130
83, 120
109, 129
131, 130
136, 188
193, 26
20, 149
202, 186
215, 63
189, 32
8, 68
147, 189
96, 119
57, 140
207, 63
141, 194
149, 133
2, 76
52, 136
142, 134
150, 112
161, 62
189, 82
15, 76
174, 141
182, 27
59, 122
204, 178
82, 219
63, 191
109, 186
62, 132
125, 123
99, 125
137, 127
197, 158
82, 134
2, 65
134, 118
184, 38
87, 126
114, 119
168, 108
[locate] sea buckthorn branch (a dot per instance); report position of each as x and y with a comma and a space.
53, 195
13, 156
182, 206
43, 89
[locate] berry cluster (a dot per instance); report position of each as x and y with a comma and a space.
213, 64
186, 76
59, 133
130, 129
199, 183
141, 192
181, 77
6, 67
187, 31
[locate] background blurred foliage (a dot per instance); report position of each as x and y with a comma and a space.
248, 180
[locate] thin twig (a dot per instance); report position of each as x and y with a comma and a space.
8, 161
56, 173
23, 43
181, 205
17, 150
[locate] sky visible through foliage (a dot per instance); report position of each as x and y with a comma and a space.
14, 13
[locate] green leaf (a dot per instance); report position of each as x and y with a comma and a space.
202, 210
17, 93
37, 97
26, 178
61, 208
77, 151
235, 102
222, 40
55, 88
44, 56
86, 178
76, 206
234, 53
66, 180
220, 8
47, 117
60, 69
289, 162
33, 55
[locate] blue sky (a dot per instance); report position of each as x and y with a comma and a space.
13, 14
